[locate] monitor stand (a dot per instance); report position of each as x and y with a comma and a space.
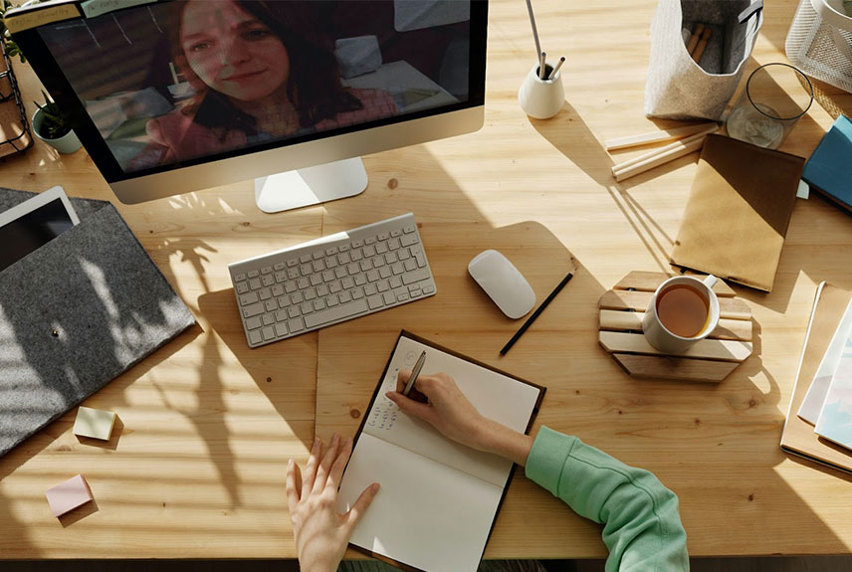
310, 186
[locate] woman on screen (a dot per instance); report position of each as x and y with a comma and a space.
255, 79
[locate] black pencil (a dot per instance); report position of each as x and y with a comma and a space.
535, 314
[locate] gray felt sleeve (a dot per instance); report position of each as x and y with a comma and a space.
74, 315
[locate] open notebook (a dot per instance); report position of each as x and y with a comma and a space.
438, 499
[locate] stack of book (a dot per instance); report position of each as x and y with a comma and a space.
819, 422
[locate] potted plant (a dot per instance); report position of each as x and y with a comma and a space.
51, 126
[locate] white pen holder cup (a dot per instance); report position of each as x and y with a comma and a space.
660, 336
542, 98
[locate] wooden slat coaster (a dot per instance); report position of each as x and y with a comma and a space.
710, 360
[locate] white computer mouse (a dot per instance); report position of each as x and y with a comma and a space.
502, 282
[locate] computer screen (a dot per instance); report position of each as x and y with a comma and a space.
188, 87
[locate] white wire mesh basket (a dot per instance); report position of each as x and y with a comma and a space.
820, 42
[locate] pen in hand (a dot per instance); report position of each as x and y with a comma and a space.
409, 387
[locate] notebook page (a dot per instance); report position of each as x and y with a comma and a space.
426, 514
814, 398
835, 418
495, 396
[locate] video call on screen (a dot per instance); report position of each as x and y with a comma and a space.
170, 82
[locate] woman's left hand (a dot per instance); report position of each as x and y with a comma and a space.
321, 532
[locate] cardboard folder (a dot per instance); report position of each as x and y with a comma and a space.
75, 314
738, 211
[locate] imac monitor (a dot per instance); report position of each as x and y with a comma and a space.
174, 96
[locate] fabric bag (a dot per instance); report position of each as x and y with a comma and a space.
677, 86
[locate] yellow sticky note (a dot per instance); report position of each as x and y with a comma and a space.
94, 423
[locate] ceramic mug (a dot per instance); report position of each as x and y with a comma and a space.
682, 311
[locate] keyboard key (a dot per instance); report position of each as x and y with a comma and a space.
253, 323
344, 248
278, 266
375, 302
293, 311
265, 293
384, 272
281, 316
255, 337
242, 287
409, 228
395, 281
336, 313
370, 240
383, 236
331, 251
266, 270
319, 265
331, 263
302, 283
268, 319
378, 261
268, 280
357, 293
356, 255
319, 304
277, 290
240, 277
417, 276
292, 273
357, 243
306, 269
331, 301
360, 280
305, 258
283, 301
410, 264
306, 308
322, 290
373, 275
382, 285
344, 296
316, 279
343, 258
391, 257
347, 282
339, 272
296, 298
280, 330
253, 310
381, 248
404, 254
292, 263
249, 298
428, 289
396, 232
296, 325
253, 274
408, 240
317, 255
310, 294
394, 244
271, 305
268, 333
370, 289
397, 269
254, 283
290, 287
389, 298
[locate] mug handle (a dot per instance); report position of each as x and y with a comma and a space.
710, 281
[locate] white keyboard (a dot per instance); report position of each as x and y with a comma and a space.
335, 278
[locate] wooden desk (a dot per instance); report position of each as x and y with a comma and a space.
209, 424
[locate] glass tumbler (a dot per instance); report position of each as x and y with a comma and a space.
776, 95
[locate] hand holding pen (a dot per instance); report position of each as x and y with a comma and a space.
409, 390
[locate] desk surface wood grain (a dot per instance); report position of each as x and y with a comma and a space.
206, 425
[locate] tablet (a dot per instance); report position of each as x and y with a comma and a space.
34, 222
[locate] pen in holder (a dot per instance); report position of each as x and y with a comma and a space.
542, 98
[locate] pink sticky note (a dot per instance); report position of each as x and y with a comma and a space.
68, 495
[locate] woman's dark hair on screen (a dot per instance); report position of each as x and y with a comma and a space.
313, 87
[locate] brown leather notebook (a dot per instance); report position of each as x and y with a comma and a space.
738, 212
798, 436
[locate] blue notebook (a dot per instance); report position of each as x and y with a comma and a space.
829, 170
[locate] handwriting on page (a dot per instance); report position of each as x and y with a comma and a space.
384, 413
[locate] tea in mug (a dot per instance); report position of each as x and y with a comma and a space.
683, 310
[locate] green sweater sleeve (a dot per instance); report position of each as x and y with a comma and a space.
642, 527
